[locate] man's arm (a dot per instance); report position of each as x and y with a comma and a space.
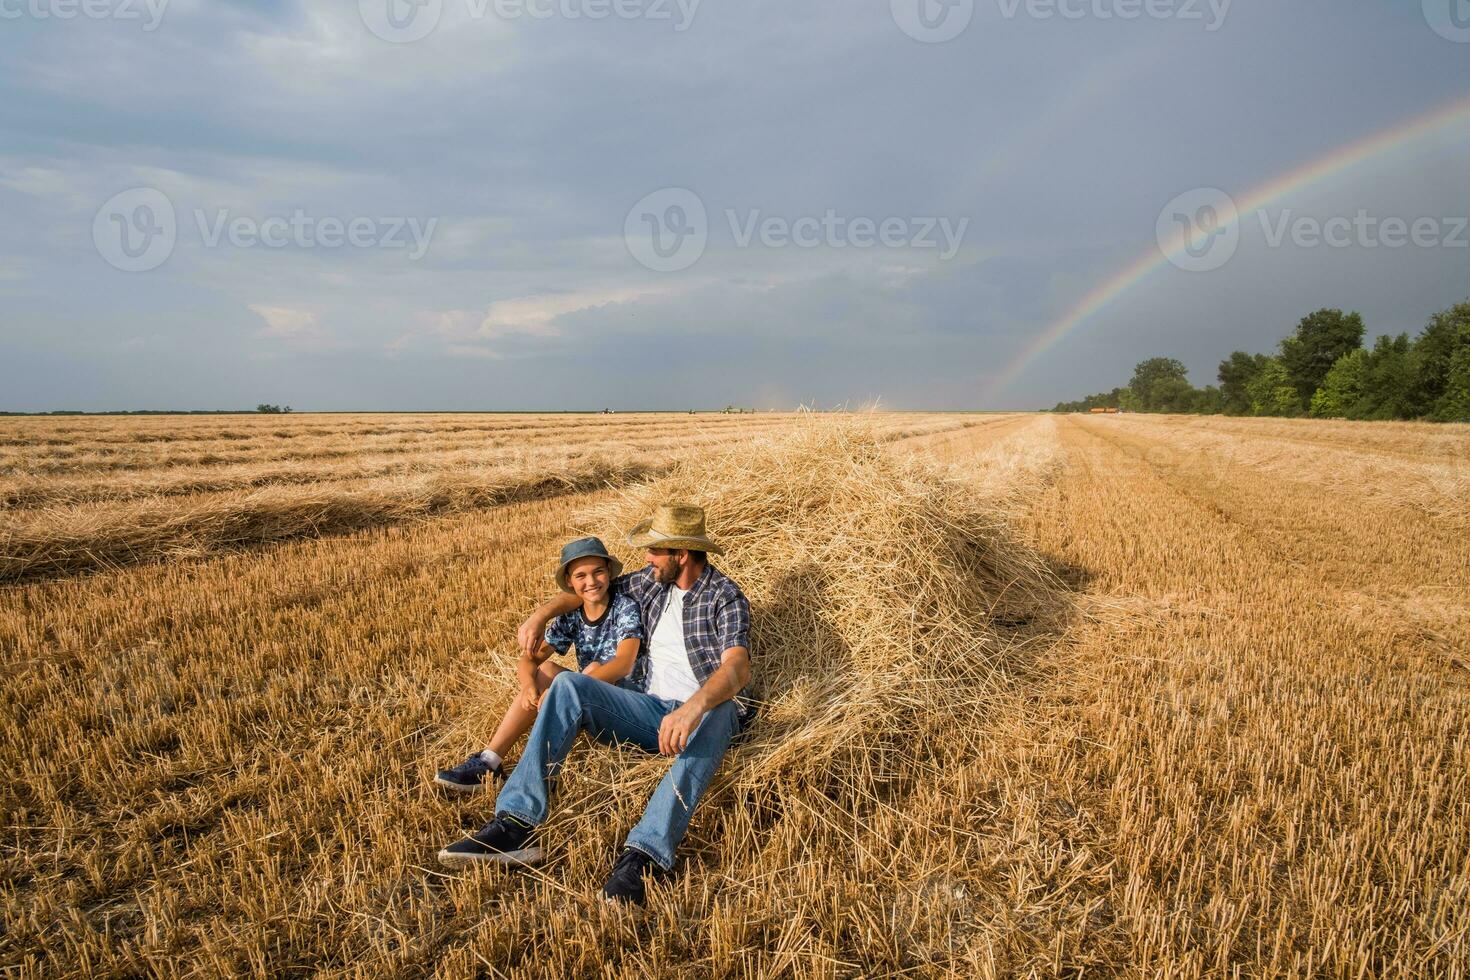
678, 725
533, 630
529, 634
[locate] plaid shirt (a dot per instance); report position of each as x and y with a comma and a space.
716, 618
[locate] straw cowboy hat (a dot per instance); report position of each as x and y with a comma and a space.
676, 527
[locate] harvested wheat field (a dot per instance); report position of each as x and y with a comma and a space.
1042, 695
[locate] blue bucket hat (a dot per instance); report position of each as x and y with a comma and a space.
585, 548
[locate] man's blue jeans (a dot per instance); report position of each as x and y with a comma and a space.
578, 703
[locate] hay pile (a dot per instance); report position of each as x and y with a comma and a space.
873, 581
886, 601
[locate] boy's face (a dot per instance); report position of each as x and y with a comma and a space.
589, 579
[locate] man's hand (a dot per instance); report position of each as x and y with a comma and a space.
531, 633
677, 728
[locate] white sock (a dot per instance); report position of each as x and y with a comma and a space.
490, 757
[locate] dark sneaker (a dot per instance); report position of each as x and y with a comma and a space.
468, 776
503, 840
625, 884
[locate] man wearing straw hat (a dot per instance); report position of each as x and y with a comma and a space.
698, 624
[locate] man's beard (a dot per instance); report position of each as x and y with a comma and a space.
667, 575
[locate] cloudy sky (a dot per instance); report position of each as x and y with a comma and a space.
540, 204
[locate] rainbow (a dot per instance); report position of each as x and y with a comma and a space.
1344, 158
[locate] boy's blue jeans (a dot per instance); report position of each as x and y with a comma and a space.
577, 703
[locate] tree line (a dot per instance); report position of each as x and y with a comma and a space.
1323, 370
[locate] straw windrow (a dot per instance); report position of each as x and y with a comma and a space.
109, 507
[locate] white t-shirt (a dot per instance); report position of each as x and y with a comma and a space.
669, 675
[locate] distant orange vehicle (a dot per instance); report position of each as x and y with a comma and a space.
1104, 411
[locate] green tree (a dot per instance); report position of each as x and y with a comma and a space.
1388, 381
1107, 399
1342, 389
1454, 402
1174, 395
1271, 391
1156, 382
1236, 372
1432, 352
1207, 401
1320, 339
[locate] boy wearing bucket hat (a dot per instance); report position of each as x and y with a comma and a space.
606, 630
698, 625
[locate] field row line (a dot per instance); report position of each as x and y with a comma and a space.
66, 539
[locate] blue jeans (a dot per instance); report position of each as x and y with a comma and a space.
578, 703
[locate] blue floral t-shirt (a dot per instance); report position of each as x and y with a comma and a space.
598, 642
